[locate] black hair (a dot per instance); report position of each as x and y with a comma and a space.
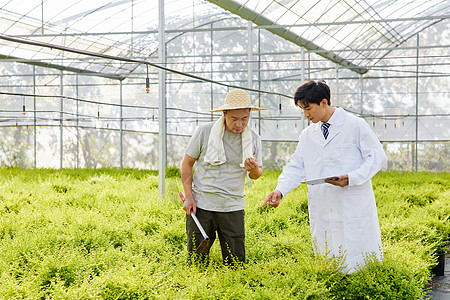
312, 92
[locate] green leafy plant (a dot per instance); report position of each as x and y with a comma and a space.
106, 234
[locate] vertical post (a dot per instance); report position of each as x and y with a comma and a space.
259, 80
42, 16
78, 128
361, 86
61, 121
34, 116
162, 147
309, 77
99, 137
250, 75
121, 124
309, 65
337, 86
250, 55
303, 69
415, 160
303, 79
211, 70
302, 74
132, 28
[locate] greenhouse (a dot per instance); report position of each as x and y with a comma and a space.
122, 85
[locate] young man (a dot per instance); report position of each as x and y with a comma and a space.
225, 151
343, 214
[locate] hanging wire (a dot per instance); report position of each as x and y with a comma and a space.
130, 60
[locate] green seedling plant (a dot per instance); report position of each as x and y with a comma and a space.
106, 234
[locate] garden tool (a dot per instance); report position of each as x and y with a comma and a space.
206, 243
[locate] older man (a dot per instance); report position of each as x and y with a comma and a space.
225, 151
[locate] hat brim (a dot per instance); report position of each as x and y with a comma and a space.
224, 107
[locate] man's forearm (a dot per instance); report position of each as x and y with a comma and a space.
186, 179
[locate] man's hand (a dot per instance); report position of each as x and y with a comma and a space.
190, 204
251, 165
343, 181
273, 199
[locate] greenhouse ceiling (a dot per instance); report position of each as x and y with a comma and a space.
355, 34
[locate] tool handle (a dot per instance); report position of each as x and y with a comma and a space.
205, 236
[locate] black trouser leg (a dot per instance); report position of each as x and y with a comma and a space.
195, 237
232, 237
231, 231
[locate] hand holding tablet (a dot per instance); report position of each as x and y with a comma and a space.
320, 180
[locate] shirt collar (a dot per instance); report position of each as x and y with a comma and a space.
332, 119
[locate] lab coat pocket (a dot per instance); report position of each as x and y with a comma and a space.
356, 203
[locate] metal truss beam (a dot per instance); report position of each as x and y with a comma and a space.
248, 14
58, 67
233, 28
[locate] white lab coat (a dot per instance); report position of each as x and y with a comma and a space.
342, 220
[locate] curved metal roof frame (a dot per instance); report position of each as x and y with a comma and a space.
114, 28
258, 19
355, 34
332, 27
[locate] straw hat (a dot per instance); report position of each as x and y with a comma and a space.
237, 99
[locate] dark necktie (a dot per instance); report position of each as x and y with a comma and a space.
325, 129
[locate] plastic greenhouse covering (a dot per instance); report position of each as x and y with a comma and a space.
73, 75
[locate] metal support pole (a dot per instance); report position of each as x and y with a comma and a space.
61, 116
42, 16
250, 76
415, 160
162, 147
34, 116
78, 128
250, 55
211, 70
303, 79
132, 29
121, 126
361, 86
259, 80
302, 66
337, 86
309, 65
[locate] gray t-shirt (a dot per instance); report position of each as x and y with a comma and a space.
220, 188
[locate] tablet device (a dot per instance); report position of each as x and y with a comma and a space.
319, 180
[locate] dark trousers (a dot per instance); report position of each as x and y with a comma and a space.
230, 229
